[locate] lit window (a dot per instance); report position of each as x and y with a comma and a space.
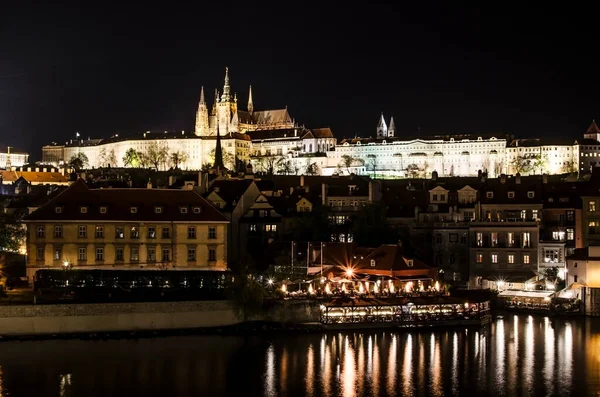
526, 259
479, 258
591, 206
135, 254
119, 233
134, 233
99, 231
151, 232
252, 228
570, 234
511, 258
494, 258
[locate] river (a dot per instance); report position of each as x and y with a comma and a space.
514, 356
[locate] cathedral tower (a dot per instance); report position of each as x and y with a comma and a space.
382, 130
224, 107
392, 128
202, 116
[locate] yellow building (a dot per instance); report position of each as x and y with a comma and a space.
126, 228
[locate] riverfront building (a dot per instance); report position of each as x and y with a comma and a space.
126, 228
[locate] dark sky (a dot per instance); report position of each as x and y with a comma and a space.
443, 69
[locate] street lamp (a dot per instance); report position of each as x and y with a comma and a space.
349, 272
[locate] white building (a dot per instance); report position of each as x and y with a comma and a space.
10, 158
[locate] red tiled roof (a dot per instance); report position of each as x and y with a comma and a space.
35, 177
118, 203
389, 257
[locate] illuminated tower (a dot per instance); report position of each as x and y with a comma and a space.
250, 104
391, 132
382, 129
202, 116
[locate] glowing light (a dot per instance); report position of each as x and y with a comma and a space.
284, 288
500, 284
310, 289
437, 285
349, 272
343, 287
327, 289
392, 288
528, 286
361, 289
322, 280
409, 286
376, 288
270, 281
66, 263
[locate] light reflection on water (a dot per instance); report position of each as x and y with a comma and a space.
517, 355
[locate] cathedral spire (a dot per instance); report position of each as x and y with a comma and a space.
202, 101
218, 153
593, 128
214, 108
225, 97
392, 128
250, 104
382, 129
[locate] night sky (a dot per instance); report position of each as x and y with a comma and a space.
436, 69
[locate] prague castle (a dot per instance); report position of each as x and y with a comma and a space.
273, 142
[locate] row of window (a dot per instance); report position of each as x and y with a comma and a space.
133, 210
134, 232
510, 258
82, 254
266, 228
491, 239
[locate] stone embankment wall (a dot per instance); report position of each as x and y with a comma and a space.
590, 297
132, 317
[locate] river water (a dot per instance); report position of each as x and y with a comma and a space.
514, 356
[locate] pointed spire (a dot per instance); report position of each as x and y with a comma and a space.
218, 153
202, 101
250, 104
225, 97
392, 127
593, 128
382, 127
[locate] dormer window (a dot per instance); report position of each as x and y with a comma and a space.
409, 263
158, 210
373, 263
183, 210
58, 210
511, 195
530, 194
133, 210
83, 210
489, 195
103, 210
197, 210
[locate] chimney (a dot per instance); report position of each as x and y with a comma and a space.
503, 178
149, 184
434, 175
544, 178
518, 178
301, 180
324, 188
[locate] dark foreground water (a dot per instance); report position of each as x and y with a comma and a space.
515, 356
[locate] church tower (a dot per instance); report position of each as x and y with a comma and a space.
224, 107
202, 116
250, 104
392, 128
382, 130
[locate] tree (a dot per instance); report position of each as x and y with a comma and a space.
569, 167
106, 159
247, 295
312, 169
267, 163
102, 157
131, 158
12, 233
347, 162
228, 158
551, 273
520, 165
111, 158
371, 228
157, 153
284, 166
412, 171
178, 158
539, 163
372, 164
79, 161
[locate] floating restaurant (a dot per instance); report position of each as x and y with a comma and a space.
404, 312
